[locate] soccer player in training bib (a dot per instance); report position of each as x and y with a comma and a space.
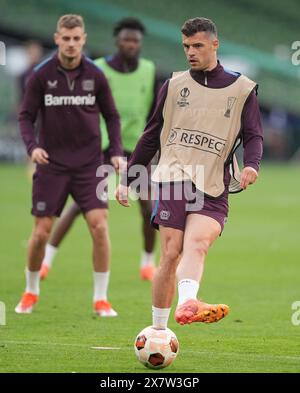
69, 92
133, 84
200, 116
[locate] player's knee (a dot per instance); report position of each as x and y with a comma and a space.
170, 257
99, 230
200, 247
41, 234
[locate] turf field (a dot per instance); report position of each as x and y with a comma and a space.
254, 267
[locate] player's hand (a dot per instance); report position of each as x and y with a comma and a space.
119, 163
122, 195
248, 176
40, 156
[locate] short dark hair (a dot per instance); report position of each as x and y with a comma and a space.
193, 26
129, 23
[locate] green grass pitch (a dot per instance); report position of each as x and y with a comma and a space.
254, 267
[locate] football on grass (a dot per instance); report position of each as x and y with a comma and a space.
156, 348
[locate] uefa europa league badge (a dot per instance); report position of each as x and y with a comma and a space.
230, 103
184, 93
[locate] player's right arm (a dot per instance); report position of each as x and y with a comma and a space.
31, 103
156, 89
149, 142
39, 156
147, 146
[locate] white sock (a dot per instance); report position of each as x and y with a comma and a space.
147, 258
187, 289
32, 282
160, 317
49, 255
101, 281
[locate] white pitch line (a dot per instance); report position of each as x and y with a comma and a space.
105, 348
212, 353
247, 355
55, 344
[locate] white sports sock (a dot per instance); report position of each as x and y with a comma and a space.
32, 282
187, 289
49, 255
160, 317
101, 281
147, 258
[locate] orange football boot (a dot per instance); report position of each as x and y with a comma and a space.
26, 304
104, 309
194, 310
147, 272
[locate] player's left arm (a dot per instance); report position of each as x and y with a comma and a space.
111, 116
252, 134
